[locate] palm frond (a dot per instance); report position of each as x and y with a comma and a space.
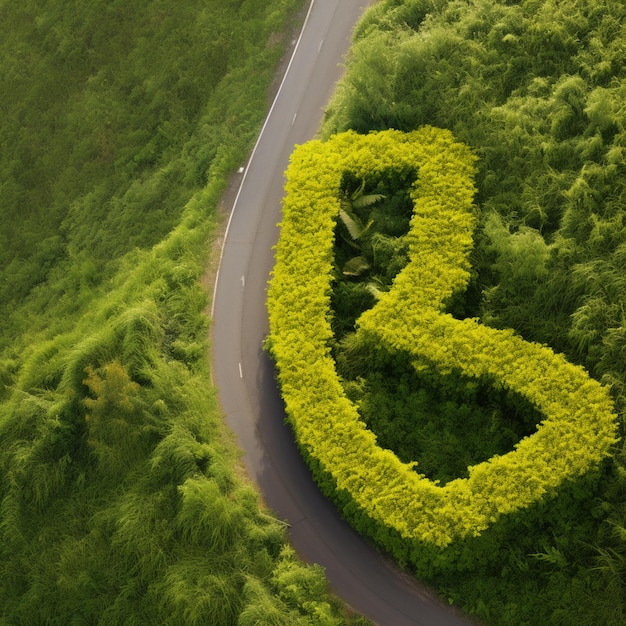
358, 192
374, 289
355, 266
352, 223
367, 200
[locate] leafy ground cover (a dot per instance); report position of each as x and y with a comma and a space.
121, 496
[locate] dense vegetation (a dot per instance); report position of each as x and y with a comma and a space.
447, 422
121, 500
418, 521
536, 90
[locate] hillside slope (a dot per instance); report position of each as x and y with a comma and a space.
121, 495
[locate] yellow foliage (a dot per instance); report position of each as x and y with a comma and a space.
579, 426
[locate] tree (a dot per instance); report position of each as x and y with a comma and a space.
116, 422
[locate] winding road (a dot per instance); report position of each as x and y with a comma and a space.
357, 572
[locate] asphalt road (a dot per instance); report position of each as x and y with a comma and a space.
357, 572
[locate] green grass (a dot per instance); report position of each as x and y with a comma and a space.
122, 499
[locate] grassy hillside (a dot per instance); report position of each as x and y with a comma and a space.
536, 89
121, 498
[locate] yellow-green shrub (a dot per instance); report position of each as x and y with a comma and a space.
579, 425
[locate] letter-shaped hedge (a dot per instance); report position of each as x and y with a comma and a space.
579, 426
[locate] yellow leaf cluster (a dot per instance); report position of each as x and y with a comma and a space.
579, 426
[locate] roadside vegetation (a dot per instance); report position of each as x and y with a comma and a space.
121, 495
327, 385
536, 90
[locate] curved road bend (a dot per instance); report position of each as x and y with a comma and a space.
363, 578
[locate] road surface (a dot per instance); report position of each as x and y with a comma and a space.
358, 574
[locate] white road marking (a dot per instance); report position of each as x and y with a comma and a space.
240, 371
243, 281
294, 118
320, 46
296, 43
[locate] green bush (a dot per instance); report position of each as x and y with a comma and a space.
578, 429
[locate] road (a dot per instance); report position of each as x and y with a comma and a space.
357, 572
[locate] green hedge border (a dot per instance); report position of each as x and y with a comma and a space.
579, 426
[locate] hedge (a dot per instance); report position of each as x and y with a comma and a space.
579, 426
